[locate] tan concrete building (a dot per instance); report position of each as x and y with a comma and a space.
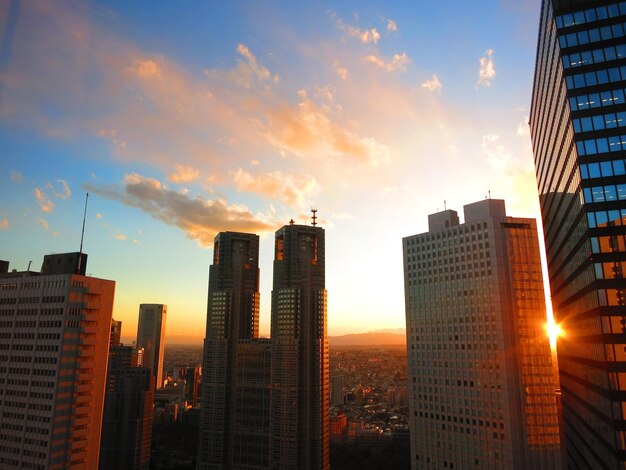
480, 370
54, 341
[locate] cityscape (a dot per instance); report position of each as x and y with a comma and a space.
313, 236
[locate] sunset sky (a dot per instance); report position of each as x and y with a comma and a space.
183, 119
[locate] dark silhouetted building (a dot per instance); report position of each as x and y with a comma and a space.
265, 403
300, 391
151, 337
578, 130
127, 418
480, 369
116, 332
54, 343
230, 343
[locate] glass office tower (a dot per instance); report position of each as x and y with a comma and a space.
578, 129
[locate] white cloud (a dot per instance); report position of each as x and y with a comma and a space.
397, 62
433, 84
487, 70
65, 191
523, 128
496, 153
392, 26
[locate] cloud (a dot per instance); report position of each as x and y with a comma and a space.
43, 223
17, 177
487, 70
147, 69
308, 129
288, 189
249, 71
199, 218
99, 216
433, 84
497, 156
341, 71
120, 236
4, 224
392, 26
184, 174
397, 63
45, 204
523, 129
64, 192
366, 36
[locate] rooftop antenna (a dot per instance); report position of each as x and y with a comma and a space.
82, 236
444, 205
489, 193
291, 222
314, 217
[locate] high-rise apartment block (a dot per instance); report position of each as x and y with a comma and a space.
265, 401
578, 130
151, 337
480, 370
54, 342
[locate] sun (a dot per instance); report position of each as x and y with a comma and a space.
554, 331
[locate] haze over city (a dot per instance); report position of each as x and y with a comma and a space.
183, 122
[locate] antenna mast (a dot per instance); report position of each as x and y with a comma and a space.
314, 217
82, 236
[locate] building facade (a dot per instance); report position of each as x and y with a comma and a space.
300, 393
482, 392
127, 419
265, 402
54, 342
151, 337
577, 120
231, 330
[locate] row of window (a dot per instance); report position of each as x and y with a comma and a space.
591, 35
596, 56
603, 169
599, 122
606, 218
597, 100
609, 244
590, 15
599, 77
611, 192
611, 270
601, 145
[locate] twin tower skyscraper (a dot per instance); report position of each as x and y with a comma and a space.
265, 401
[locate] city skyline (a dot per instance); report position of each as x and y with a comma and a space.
181, 125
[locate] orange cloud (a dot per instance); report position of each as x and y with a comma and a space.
308, 129
397, 63
45, 204
290, 189
4, 224
184, 174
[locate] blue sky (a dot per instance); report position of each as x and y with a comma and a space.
182, 120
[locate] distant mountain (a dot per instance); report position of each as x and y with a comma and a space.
374, 338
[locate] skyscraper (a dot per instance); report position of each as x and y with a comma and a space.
299, 424
151, 337
54, 341
577, 120
265, 402
480, 370
127, 417
232, 318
